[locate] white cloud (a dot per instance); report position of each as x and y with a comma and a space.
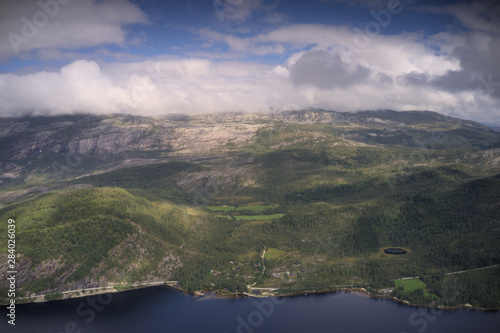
199, 85
328, 67
325, 71
395, 54
476, 50
78, 87
63, 24
450, 66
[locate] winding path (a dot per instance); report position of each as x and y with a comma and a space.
263, 268
470, 270
263, 261
452, 273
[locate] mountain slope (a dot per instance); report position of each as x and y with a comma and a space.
70, 239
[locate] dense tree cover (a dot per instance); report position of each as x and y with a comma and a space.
152, 181
441, 228
479, 288
80, 228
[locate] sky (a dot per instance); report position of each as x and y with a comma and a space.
152, 57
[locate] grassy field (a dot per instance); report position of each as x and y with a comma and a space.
410, 284
239, 209
256, 208
273, 253
221, 208
236, 211
258, 217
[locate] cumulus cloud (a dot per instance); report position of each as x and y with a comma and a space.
323, 66
152, 88
397, 54
476, 50
325, 71
56, 24
200, 85
78, 87
478, 53
460, 67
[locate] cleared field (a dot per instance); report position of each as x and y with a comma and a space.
258, 217
256, 208
239, 209
410, 284
273, 253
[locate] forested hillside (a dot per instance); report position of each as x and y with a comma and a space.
297, 201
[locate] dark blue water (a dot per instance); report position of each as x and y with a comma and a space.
162, 309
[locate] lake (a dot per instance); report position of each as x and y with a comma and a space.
163, 309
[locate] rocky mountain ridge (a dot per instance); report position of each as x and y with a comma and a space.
25, 138
34, 148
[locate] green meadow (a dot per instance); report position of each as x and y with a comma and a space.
410, 284
258, 217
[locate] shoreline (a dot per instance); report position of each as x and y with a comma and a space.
209, 294
363, 292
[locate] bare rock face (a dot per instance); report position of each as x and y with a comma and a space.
29, 147
166, 267
75, 145
28, 273
173, 135
10, 127
104, 136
